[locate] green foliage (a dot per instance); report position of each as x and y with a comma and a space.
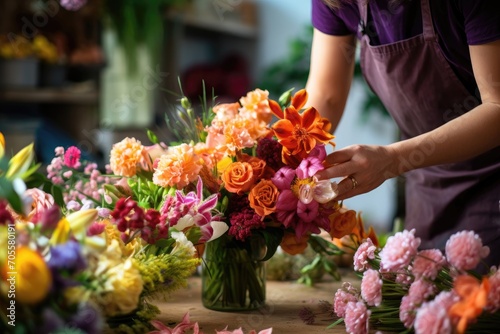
138, 22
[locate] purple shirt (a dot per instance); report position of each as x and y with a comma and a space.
458, 24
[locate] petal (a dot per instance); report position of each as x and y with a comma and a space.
311, 119
307, 212
324, 191
219, 228
293, 116
283, 129
276, 109
299, 99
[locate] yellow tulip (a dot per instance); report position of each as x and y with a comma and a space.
33, 277
79, 221
2, 145
75, 224
223, 164
21, 162
61, 233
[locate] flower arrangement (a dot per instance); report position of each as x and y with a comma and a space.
406, 290
98, 261
263, 176
103, 243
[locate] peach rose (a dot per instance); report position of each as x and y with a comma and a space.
293, 246
41, 202
342, 223
263, 197
238, 177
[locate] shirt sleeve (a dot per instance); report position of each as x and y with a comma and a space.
481, 20
328, 20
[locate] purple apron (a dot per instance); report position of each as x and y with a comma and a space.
421, 92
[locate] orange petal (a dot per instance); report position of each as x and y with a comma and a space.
311, 119
276, 109
293, 116
299, 99
283, 129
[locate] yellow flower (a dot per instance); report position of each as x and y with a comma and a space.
33, 278
122, 289
74, 224
21, 162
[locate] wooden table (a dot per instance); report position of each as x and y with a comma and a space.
284, 300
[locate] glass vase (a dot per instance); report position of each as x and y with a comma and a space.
233, 277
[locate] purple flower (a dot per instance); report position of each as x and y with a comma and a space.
307, 212
371, 287
67, 256
464, 250
399, 251
87, 319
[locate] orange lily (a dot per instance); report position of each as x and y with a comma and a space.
473, 299
298, 132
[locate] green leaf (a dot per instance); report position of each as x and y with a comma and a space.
272, 237
57, 193
7, 191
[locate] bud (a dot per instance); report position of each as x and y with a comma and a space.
80, 220
185, 103
286, 97
21, 162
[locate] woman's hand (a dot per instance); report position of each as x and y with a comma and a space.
363, 168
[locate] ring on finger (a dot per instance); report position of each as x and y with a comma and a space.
354, 182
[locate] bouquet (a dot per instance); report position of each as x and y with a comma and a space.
262, 175
407, 290
98, 260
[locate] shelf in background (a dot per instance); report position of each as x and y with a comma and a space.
214, 24
50, 95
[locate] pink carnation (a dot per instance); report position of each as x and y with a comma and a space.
421, 290
432, 318
356, 318
72, 157
371, 287
494, 293
464, 250
364, 253
340, 301
427, 263
399, 251
404, 278
407, 311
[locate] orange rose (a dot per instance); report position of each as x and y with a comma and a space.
293, 246
342, 223
238, 177
263, 197
258, 165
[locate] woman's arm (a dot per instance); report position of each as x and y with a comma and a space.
330, 74
464, 137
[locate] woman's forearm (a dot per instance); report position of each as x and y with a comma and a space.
462, 138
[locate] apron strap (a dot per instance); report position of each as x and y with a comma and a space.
427, 25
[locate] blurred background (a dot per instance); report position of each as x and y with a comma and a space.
89, 73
